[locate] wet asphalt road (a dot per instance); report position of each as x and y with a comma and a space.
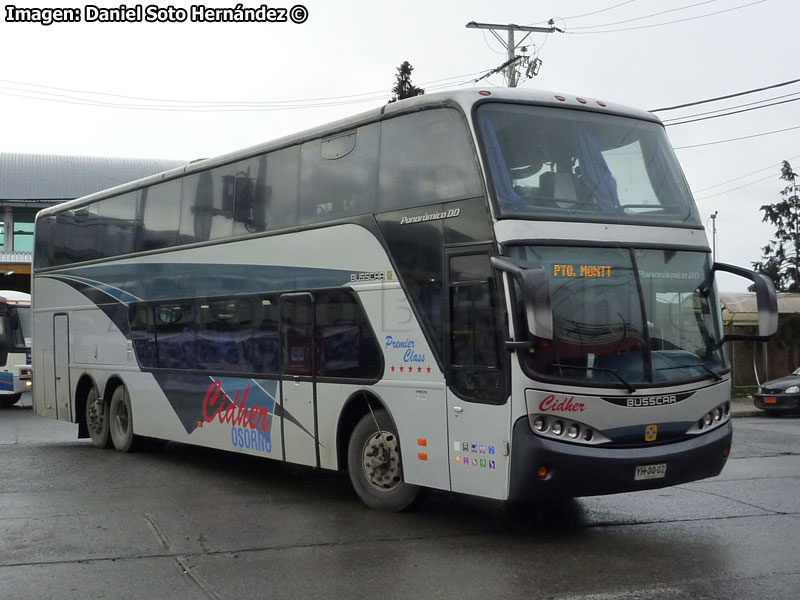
182, 522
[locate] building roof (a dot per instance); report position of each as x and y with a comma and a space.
52, 177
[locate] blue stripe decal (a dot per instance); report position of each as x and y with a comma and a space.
162, 281
7, 382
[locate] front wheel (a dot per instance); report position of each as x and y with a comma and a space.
120, 420
373, 461
7, 400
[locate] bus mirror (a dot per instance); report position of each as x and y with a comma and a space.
536, 294
766, 301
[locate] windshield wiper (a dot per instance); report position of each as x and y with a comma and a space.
631, 389
714, 374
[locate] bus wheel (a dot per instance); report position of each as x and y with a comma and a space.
373, 460
97, 419
9, 400
120, 420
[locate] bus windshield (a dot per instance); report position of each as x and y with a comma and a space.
22, 335
632, 317
579, 165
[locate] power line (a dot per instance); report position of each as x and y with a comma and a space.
199, 105
597, 12
719, 110
737, 94
733, 112
772, 166
719, 12
663, 12
746, 137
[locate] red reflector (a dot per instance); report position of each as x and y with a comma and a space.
542, 472
603, 104
561, 98
581, 100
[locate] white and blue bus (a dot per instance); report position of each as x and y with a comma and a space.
501, 293
15, 346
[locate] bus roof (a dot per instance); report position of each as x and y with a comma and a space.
463, 98
15, 297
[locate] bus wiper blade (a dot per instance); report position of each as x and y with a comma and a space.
714, 374
630, 388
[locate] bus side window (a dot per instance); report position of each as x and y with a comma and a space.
339, 175
143, 336
266, 337
296, 325
224, 335
158, 213
426, 157
474, 349
346, 345
175, 336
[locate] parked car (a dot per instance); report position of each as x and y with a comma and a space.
779, 395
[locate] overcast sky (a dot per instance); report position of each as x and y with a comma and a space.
643, 53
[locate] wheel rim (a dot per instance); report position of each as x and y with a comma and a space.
121, 419
95, 419
381, 461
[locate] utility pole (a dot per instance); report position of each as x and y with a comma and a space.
510, 66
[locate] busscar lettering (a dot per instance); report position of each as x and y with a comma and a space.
553, 404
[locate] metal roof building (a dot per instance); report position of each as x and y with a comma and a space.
30, 182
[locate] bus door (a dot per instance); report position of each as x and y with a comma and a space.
477, 401
298, 389
61, 363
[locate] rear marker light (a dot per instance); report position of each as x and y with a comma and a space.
539, 424
560, 98
581, 100
726, 452
573, 431
422, 442
542, 472
558, 428
485, 93
603, 104
422, 455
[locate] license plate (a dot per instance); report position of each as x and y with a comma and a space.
650, 472
770, 400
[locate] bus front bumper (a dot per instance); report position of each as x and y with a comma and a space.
575, 470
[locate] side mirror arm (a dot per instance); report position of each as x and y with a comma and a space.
536, 294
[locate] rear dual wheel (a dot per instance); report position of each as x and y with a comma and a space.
120, 420
97, 419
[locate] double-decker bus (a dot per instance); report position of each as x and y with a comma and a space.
15, 346
500, 293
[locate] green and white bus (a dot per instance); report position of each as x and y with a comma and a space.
501, 293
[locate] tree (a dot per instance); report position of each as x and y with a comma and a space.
781, 259
403, 88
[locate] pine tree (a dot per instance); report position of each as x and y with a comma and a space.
781, 259
403, 88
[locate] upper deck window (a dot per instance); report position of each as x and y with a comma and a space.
569, 164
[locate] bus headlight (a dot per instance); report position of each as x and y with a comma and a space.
571, 431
